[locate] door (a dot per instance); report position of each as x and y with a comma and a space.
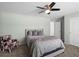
74, 31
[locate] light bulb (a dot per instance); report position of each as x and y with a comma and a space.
47, 11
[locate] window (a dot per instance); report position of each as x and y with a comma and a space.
51, 28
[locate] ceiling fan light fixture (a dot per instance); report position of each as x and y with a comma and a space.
47, 11
48, 8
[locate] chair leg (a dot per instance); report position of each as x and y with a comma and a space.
9, 50
0, 49
3, 50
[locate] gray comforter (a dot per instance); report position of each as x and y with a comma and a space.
42, 44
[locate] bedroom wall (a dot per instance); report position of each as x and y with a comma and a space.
67, 28
57, 27
15, 24
71, 29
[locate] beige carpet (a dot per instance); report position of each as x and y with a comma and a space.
70, 51
21, 51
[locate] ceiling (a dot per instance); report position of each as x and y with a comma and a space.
30, 8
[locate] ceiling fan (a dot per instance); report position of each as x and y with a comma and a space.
48, 8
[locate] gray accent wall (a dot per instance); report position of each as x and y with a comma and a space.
59, 28
62, 28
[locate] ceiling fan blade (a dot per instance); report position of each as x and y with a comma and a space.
52, 4
55, 9
41, 11
40, 7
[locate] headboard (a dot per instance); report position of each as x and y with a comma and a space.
34, 32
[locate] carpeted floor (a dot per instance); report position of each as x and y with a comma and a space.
21, 51
70, 51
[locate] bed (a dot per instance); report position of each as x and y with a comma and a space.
43, 46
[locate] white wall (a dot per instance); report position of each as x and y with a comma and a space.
72, 29
52, 28
15, 24
67, 28
57, 28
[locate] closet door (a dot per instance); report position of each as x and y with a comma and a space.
74, 31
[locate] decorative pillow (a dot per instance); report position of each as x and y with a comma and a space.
34, 32
29, 33
5, 37
39, 32
35, 37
